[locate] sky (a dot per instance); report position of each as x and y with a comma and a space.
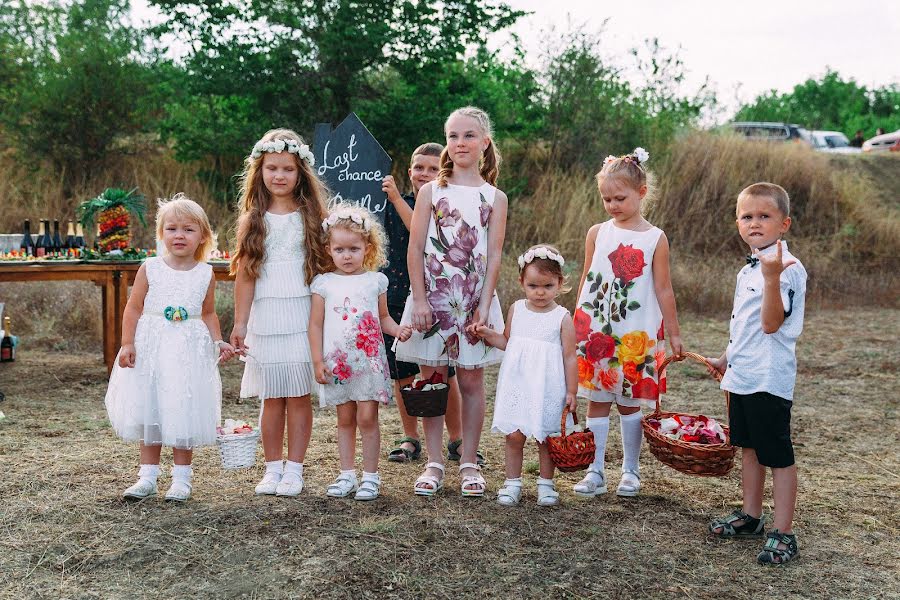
745, 48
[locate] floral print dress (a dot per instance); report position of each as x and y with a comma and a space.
618, 322
353, 346
455, 265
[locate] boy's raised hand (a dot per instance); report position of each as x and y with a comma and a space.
716, 366
772, 265
389, 187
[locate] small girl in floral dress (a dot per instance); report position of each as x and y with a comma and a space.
349, 309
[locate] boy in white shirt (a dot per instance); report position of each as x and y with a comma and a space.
760, 367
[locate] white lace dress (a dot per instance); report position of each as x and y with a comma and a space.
531, 386
278, 365
353, 345
172, 396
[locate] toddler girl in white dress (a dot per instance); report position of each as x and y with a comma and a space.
539, 373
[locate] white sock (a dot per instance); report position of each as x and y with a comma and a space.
293, 467
600, 428
348, 472
182, 473
371, 475
149, 472
630, 426
275, 466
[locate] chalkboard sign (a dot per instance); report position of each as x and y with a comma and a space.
352, 162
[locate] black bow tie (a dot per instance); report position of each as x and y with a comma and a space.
752, 260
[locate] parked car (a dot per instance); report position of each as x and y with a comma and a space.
834, 142
887, 141
771, 132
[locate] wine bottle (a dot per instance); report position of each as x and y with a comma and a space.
70, 237
27, 245
40, 246
57, 241
79, 238
7, 350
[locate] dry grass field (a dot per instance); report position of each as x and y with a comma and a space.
64, 532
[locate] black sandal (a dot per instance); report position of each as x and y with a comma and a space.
773, 555
750, 526
404, 455
453, 453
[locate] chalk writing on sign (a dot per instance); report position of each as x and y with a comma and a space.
352, 163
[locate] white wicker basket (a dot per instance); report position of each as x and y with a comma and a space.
238, 450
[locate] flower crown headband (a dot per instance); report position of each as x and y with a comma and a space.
638, 155
346, 214
540, 252
292, 146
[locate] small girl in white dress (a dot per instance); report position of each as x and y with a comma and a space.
164, 389
349, 309
539, 374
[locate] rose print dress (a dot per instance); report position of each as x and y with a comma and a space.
455, 266
353, 346
618, 322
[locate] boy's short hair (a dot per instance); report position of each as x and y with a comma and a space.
769, 190
427, 149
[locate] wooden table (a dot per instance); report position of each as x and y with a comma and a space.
113, 277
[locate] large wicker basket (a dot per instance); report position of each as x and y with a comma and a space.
707, 460
238, 450
574, 451
426, 403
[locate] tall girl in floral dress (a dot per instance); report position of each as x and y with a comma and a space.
624, 298
349, 310
456, 241
279, 251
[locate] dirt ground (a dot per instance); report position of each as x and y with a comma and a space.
64, 532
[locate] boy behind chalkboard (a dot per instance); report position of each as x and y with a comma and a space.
424, 167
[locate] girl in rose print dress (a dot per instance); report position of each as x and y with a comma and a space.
624, 298
456, 239
349, 309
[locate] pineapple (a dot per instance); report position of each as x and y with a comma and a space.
112, 209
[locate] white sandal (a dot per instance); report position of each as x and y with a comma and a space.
472, 480
142, 489
343, 486
180, 491
434, 484
547, 494
593, 484
510, 493
369, 488
630, 484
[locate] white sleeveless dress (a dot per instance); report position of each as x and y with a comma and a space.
531, 386
455, 264
353, 346
172, 396
278, 365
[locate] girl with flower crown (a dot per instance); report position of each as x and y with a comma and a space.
624, 297
455, 244
349, 310
279, 251
539, 375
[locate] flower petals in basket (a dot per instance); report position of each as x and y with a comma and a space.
237, 444
426, 397
574, 451
692, 444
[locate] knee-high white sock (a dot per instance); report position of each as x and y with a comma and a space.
150, 472
599, 426
630, 426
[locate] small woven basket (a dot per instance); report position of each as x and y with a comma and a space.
238, 450
422, 403
692, 458
574, 451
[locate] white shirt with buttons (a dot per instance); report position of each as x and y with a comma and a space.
759, 361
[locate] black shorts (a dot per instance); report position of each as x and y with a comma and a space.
399, 369
762, 422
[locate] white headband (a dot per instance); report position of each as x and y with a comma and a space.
292, 146
345, 214
540, 252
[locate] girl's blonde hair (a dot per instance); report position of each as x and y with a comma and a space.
359, 220
629, 169
490, 161
309, 197
180, 206
548, 266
